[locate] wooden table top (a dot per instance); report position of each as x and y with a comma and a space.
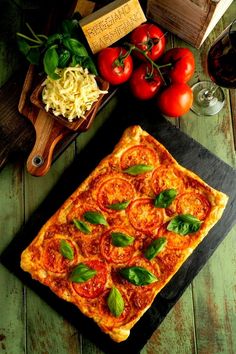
203, 321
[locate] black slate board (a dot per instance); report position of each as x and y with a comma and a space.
189, 154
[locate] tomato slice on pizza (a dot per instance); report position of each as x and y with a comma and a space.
82, 215
165, 177
141, 261
105, 311
53, 258
138, 155
117, 252
174, 240
193, 203
113, 192
143, 215
94, 286
141, 299
169, 260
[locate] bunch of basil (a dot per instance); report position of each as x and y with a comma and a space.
58, 50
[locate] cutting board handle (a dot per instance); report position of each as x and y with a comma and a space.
48, 134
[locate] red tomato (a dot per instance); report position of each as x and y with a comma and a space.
175, 100
114, 66
183, 64
144, 85
150, 39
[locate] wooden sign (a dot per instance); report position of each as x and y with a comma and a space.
111, 23
191, 20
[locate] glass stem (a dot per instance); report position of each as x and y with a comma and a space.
208, 94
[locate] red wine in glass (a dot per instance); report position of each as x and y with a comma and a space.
221, 61
221, 65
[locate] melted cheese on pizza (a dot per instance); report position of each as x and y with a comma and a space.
111, 226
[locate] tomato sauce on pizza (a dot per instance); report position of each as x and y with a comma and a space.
123, 234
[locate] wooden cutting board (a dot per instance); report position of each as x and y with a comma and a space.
48, 131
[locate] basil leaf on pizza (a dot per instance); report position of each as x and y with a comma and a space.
138, 275
155, 247
184, 224
66, 250
119, 206
115, 302
138, 169
95, 217
121, 240
82, 273
165, 198
82, 226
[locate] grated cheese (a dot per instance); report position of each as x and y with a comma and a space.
73, 94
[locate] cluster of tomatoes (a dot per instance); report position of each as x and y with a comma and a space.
152, 72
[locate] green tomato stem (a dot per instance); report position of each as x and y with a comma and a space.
153, 64
120, 60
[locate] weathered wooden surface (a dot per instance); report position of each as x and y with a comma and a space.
203, 321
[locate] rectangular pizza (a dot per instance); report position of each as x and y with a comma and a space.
124, 232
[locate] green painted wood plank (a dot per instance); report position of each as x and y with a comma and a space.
47, 331
215, 299
176, 333
12, 319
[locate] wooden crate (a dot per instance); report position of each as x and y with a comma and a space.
191, 20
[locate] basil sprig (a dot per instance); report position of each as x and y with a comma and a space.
82, 226
121, 240
155, 247
165, 198
119, 206
184, 224
95, 217
115, 302
138, 275
66, 250
138, 169
59, 50
82, 273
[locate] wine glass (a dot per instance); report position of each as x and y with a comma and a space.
208, 96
